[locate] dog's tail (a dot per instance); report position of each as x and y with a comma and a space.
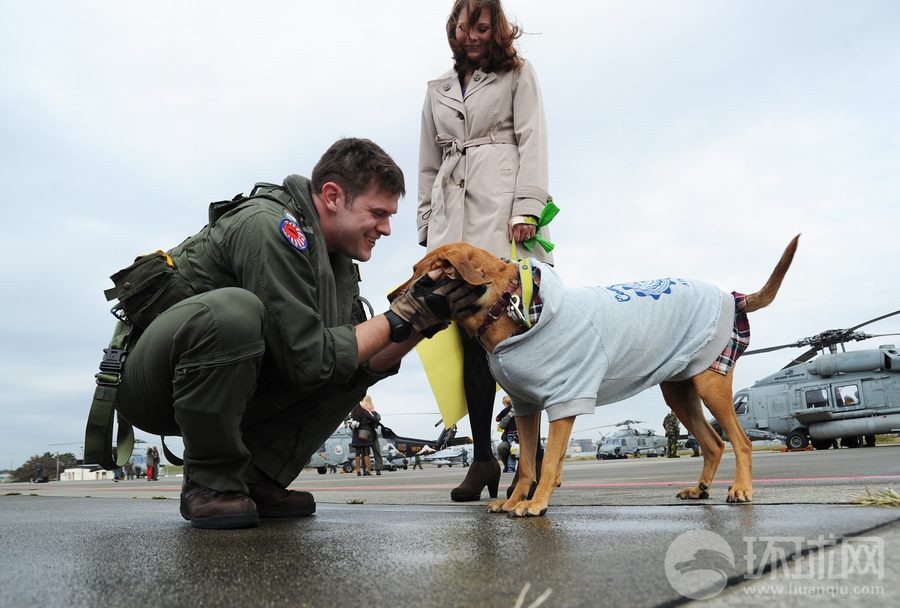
764, 296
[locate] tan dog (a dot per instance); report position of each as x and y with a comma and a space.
495, 322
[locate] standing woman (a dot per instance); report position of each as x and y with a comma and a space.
363, 435
482, 179
151, 464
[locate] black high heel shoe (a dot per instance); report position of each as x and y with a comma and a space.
481, 474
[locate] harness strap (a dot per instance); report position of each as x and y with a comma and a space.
169, 455
526, 280
98, 433
497, 308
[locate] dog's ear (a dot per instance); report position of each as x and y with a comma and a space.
430, 262
467, 265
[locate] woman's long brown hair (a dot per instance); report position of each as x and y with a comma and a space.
502, 55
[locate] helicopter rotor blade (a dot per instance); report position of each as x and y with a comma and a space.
770, 349
890, 314
803, 358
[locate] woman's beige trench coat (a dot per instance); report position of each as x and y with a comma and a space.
482, 160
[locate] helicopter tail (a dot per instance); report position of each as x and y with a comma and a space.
764, 296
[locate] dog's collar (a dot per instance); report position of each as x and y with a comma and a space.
500, 305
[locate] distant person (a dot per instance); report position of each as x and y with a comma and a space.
369, 405
156, 462
129, 469
39, 472
151, 464
673, 428
692, 445
363, 423
508, 434
483, 179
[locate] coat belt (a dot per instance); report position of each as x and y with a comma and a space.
454, 149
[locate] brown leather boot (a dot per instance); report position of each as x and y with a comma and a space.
274, 501
207, 508
368, 465
481, 474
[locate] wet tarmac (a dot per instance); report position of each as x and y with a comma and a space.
61, 548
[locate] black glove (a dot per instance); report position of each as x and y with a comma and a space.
428, 305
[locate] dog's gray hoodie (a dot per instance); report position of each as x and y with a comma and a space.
597, 345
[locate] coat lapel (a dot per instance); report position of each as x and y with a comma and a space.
448, 91
478, 81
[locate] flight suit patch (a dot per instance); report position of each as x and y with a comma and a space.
293, 234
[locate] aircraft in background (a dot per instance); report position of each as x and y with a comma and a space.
396, 450
631, 440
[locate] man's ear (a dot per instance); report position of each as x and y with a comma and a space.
332, 196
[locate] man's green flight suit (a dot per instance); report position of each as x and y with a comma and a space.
261, 365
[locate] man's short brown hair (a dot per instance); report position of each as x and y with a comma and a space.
356, 165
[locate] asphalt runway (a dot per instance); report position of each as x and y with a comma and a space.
614, 536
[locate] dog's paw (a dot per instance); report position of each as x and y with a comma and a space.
739, 495
528, 508
497, 506
698, 492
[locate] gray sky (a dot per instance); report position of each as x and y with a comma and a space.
688, 138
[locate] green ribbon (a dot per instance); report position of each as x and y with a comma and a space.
547, 214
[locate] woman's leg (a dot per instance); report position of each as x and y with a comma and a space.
481, 389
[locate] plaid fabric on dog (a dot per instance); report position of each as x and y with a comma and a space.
740, 337
534, 311
537, 305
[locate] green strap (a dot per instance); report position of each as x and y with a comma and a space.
172, 458
98, 433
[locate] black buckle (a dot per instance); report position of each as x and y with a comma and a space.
113, 360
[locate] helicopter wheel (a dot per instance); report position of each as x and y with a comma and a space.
347, 467
870, 441
797, 440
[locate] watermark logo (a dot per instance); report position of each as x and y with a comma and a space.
855, 556
698, 564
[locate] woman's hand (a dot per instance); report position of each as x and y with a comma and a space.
519, 230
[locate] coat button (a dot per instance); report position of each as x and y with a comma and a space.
459, 115
447, 87
462, 183
476, 77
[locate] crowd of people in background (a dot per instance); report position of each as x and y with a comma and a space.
131, 470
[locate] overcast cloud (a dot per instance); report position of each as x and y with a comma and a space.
688, 138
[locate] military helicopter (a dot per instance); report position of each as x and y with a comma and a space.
447, 449
335, 452
846, 396
630, 441
396, 451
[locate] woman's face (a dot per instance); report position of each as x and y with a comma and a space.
474, 40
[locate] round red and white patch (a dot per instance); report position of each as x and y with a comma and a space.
293, 234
